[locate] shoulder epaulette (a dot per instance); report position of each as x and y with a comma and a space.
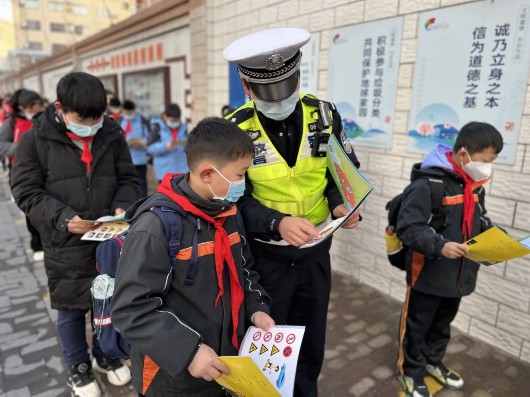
312, 100
241, 115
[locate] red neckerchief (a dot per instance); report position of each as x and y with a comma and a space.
223, 252
128, 128
174, 135
86, 157
469, 199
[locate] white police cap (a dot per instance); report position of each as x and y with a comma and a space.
268, 58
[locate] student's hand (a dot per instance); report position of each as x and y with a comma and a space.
454, 250
206, 364
297, 231
263, 320
353, 221
76, 227
118, 211
170, 145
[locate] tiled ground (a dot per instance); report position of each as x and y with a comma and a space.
360, 355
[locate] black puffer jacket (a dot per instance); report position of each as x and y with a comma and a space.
50, 184
427, 270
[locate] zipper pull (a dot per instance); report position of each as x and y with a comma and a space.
198, 225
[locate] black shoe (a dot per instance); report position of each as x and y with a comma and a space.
81, 380
414, 386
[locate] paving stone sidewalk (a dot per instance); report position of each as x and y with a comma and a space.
360, 353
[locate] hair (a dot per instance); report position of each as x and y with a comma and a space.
173, 110
218, 140
115, 102
108, 92
476, 136
24, 98
82, 93
129, 105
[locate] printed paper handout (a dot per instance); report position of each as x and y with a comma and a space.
105, 227
353, 186
494, 246
266, 365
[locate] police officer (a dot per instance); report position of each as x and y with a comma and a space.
289, 190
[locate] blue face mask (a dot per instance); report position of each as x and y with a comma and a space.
83, 131
235, 191
173, 124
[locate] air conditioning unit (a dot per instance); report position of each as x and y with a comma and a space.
71, 28
22, 3
24, 25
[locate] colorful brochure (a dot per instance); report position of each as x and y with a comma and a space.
105, 230
266, 365
354, 187
494, 246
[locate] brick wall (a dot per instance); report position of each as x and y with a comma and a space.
499, 310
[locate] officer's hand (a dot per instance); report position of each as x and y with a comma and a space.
206, 364
170, 146
263, 320
353, 221
77, 227
297, 231
454, 250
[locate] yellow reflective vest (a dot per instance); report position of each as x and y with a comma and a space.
298, 191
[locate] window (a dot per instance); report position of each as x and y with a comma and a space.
80, 30
55, 6
125, 5
58, 48
32, 45
31, 25
79, 9
57, 27
29, 3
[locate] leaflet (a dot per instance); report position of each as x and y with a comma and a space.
494, 246
266, 365
353, 186
105, 230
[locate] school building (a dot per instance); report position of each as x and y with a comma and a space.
172, 52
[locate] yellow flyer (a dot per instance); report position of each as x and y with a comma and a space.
494, 246
246, 379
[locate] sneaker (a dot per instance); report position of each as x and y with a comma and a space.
38, 256
118, 374
414, 386
82, 381
445, 376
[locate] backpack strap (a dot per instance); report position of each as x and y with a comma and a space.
437, 197
172, 221
194, 261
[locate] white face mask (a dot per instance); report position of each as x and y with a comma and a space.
30, 116
477, 170
278, 110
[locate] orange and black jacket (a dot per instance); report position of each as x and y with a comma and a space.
427, 270
160, 314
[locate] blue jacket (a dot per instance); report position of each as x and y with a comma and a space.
165, 161
139, 130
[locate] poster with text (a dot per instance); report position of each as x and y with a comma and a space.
363, 78
472, 65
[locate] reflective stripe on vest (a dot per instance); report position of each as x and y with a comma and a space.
297, 191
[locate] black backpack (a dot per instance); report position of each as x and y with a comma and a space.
395, 249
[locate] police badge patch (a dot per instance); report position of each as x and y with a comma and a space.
346, 144
253, 134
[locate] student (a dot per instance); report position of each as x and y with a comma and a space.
26, 104
177, 327
114, 109
136, 130
74, 165
438, 275
166, 143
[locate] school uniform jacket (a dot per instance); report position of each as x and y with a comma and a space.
162, 317
427, 270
